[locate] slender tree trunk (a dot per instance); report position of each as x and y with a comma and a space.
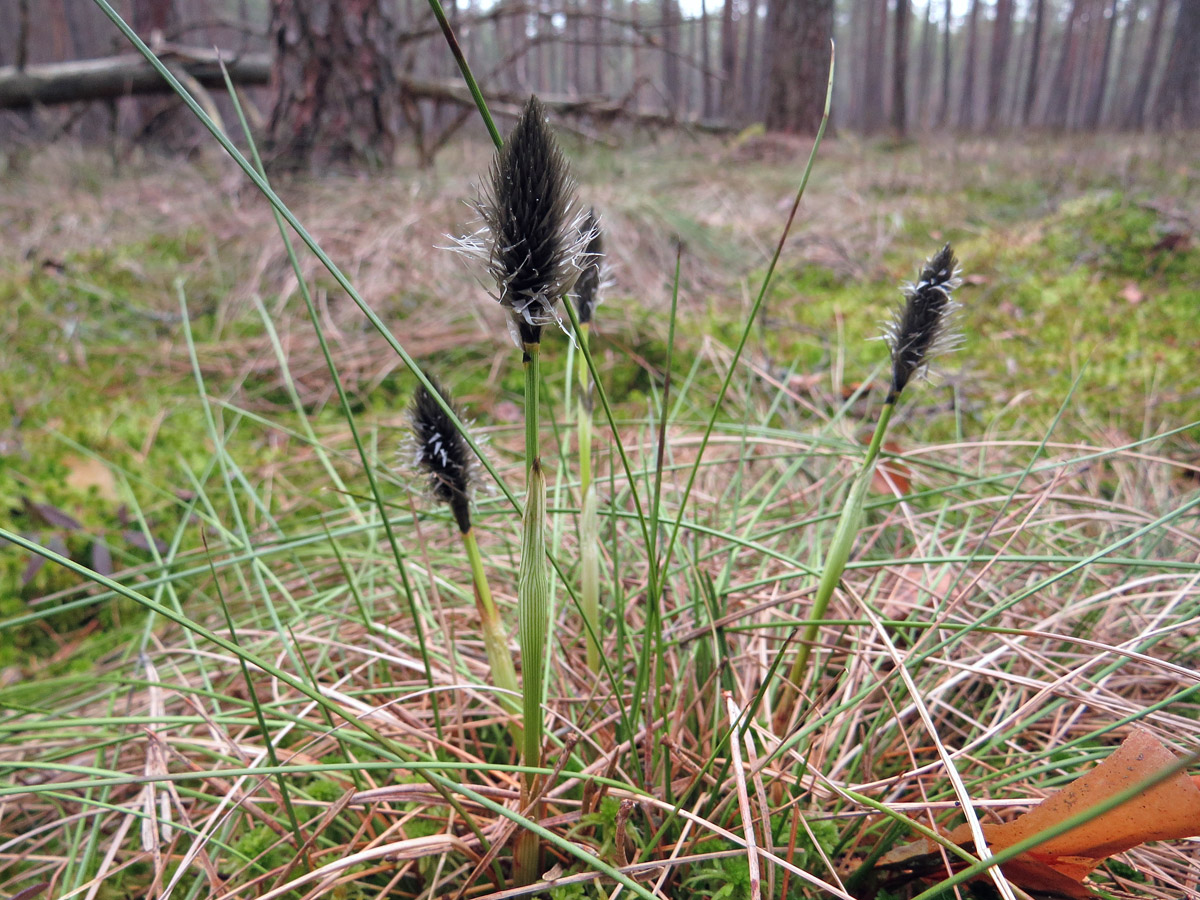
672, 84
966, 102
574, 81
706, 73
1016, 76
728, 61
1095, 105
943, 118
639, 70
1035, 56
998, 62
1058, 105
598, 45
1178, 102
800, 32
900, 71
1135, 114
874, 116
690, 86
750, 75
925, 66
1084, 66
1122, 84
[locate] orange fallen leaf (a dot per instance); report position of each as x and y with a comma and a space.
1169, 810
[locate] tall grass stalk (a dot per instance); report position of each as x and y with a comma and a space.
531, 240
921, 330
587, 296
444, 458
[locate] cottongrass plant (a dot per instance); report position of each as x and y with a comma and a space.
442, 454
923, 328
533, 242
587, 297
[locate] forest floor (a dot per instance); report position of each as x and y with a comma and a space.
207, 461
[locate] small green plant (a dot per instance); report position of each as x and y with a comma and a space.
533, 241
442, 453
587, 297
922, 329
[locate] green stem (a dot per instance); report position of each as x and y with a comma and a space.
532, 365
468, 77
533, 615
495, 639
589, 525
533, 611
836, 558
589, 577
585, 414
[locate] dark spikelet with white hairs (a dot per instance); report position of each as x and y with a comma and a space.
587, 288
531, 240
924, 326
442, 453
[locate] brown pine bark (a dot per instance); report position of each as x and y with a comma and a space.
1058, 106
900, 70
1123, 84
1135, 113
598, 47
998, 61
1178, 102
706, 80
672, 80
943, 118
336, 99
925, 67
799, 32
751, 82
1035, 55
966, 100
728, 61
1095, 102
874, 115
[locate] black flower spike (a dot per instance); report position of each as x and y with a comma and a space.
531, 240
442, 453
923, 327
587, 288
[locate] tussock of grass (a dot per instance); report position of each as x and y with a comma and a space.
1038, 584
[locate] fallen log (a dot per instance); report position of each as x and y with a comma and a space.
130, 74
122, 76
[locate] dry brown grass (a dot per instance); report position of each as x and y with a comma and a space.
147, 767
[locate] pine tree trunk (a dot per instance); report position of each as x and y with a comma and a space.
1035, 56
336, 100
598, 47
998, 62
672, 83
706, 73
925, 67
1058, 106
728, 61
943, 118
751, 83
799, 32
1122, 84
966, 101
1095, 104
900, 71
874, 116
1135, 115
1178, 103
